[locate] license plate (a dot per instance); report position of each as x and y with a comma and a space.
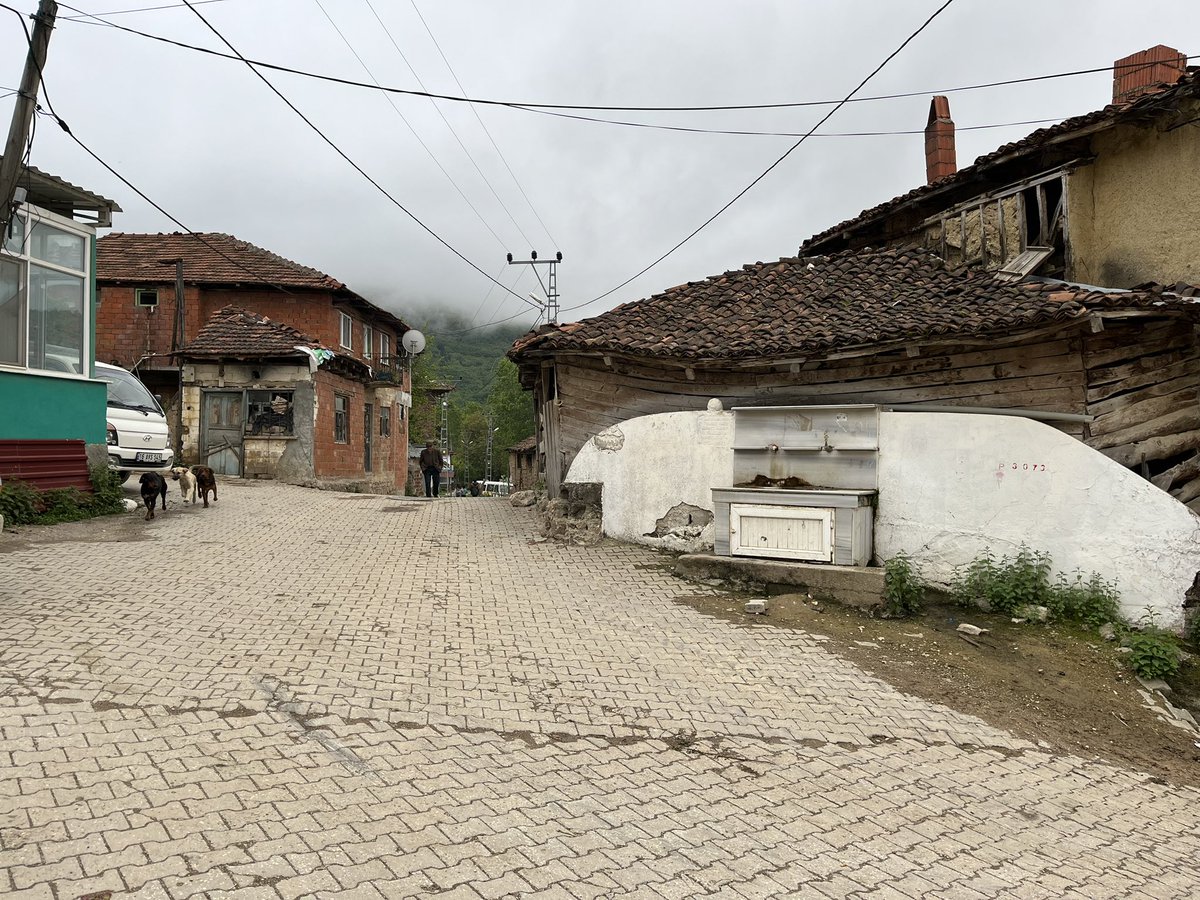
149, 457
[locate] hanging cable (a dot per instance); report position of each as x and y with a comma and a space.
404, 119
340, 152
740, 194
532, 106
453, 132
478, 118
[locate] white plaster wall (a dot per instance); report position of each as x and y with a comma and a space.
651, 463
952, 485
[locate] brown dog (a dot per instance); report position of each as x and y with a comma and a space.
153, 487
205, 481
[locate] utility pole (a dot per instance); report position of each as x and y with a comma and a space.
444, 440
490, 435
550, 286
23, 109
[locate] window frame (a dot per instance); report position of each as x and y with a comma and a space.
29, 215
248, 404
385, 420
368, 340
341, 419
139, 293
385, 348
346, 337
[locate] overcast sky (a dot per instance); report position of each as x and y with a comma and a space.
205, 139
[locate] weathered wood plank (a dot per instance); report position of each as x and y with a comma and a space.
1132, 350
1133, 453
1179, 422
1186, 370
1140, 409
1178, 473
1189, 492
1148, 364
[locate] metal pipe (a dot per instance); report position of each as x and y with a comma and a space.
1038, 414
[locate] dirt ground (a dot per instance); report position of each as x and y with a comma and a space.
1059, 686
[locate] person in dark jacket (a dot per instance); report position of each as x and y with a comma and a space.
431, 468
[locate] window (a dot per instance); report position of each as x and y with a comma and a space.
269, 413
385, 421
143, 297
341, 419
347, 332
385, 348
368, 341
44, 294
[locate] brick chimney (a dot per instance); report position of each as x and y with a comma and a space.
939, 141
1136, 74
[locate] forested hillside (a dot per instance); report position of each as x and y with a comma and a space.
485, 390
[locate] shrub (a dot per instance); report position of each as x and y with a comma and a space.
1091, 603
109, 494
1155, 653
1007, 585
903, 589
19, 503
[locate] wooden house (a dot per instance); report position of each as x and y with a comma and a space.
1105, 198
1117, 369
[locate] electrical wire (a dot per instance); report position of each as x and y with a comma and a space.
740, 194
453, 132
404, 119
478, 118
340, 152
133, 187
531, 106
122, 12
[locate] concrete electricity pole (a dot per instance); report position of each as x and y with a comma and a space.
23, 109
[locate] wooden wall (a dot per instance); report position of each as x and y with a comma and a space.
1139, 377
1143, 380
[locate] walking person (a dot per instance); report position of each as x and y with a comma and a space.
431, 467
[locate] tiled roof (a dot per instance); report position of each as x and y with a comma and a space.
530, 443
210, 258
236, 332
816, 304
1149, 104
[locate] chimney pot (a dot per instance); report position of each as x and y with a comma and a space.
1140, 73
940, 159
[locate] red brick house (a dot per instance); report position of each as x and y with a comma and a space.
286, 372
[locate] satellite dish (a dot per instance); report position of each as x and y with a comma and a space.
413, 342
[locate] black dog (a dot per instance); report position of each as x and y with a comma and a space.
153, 486
205, 481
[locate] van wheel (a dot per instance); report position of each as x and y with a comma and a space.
124, 476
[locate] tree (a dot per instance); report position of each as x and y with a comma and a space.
512, 412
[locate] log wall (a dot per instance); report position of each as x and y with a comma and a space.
1144, 390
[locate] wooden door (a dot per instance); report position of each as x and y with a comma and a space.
223, 421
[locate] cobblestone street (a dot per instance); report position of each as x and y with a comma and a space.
298, 693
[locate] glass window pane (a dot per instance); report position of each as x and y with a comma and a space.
55, 321
56, 246
12, 302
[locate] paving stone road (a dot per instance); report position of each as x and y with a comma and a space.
305, 694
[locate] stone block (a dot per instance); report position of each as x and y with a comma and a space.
851, 585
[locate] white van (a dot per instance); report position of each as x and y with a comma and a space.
137, 428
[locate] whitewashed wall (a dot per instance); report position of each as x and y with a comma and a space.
653, 463
952, 485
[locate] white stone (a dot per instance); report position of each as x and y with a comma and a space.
973, 630
756, 607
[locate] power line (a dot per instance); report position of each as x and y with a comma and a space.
478, 118
937, 12
340, 152
133, 187
753, 133
121, 12
420, 141
438, 109
531, 106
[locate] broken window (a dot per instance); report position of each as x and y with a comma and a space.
269, 412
